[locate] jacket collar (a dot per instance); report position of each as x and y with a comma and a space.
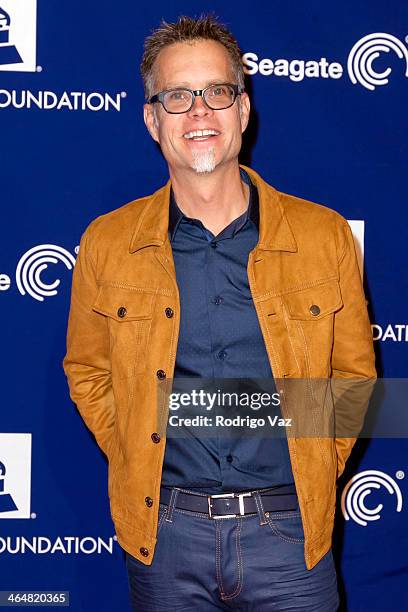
275, 233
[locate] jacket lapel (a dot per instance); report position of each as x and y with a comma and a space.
275, 233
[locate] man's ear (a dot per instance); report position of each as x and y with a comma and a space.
150, 121
244, 110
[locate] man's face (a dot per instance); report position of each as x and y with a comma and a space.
195, 66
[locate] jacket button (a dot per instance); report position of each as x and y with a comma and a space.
155, 437
169, 312
144, 551
122, 312
314, 309
161, 374
148, 502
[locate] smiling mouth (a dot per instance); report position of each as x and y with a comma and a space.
200, 134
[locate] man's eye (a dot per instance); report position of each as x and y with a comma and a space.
219, 91
178, 95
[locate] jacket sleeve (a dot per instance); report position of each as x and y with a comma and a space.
353, 359
87, 360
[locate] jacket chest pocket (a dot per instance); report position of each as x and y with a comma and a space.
314, 303
310, 316
129, 315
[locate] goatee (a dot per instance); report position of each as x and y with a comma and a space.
204, 161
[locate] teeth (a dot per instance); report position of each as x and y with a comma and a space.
200, 133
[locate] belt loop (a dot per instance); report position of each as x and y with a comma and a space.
173, 498
259, 506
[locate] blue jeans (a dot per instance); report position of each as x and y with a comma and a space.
253, 562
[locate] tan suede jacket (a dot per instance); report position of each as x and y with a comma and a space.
123, 332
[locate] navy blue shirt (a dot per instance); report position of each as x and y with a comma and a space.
220, 337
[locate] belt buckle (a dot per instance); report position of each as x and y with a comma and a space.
240, 502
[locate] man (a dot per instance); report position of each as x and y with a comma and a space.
217, 275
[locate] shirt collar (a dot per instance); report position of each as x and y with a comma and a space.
252, 212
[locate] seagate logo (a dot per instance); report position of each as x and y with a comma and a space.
366, 51
35, 261
361, 486
361, 59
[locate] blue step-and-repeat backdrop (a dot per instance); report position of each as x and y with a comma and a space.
328, 82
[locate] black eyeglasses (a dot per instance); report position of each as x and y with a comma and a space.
181, 99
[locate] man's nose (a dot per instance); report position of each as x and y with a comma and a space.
199, 108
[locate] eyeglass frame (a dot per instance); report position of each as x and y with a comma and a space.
237, 89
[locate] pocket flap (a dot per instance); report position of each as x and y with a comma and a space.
124, 304
315, 302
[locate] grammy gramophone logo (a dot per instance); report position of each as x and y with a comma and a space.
7, 503
8, 51
15, 476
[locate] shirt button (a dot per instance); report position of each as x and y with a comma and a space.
122, 312
222, 355
213, 244
218, 300
169, 312
161, 374
148, 502
155, 437
144, 551
229, 458
314, 309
